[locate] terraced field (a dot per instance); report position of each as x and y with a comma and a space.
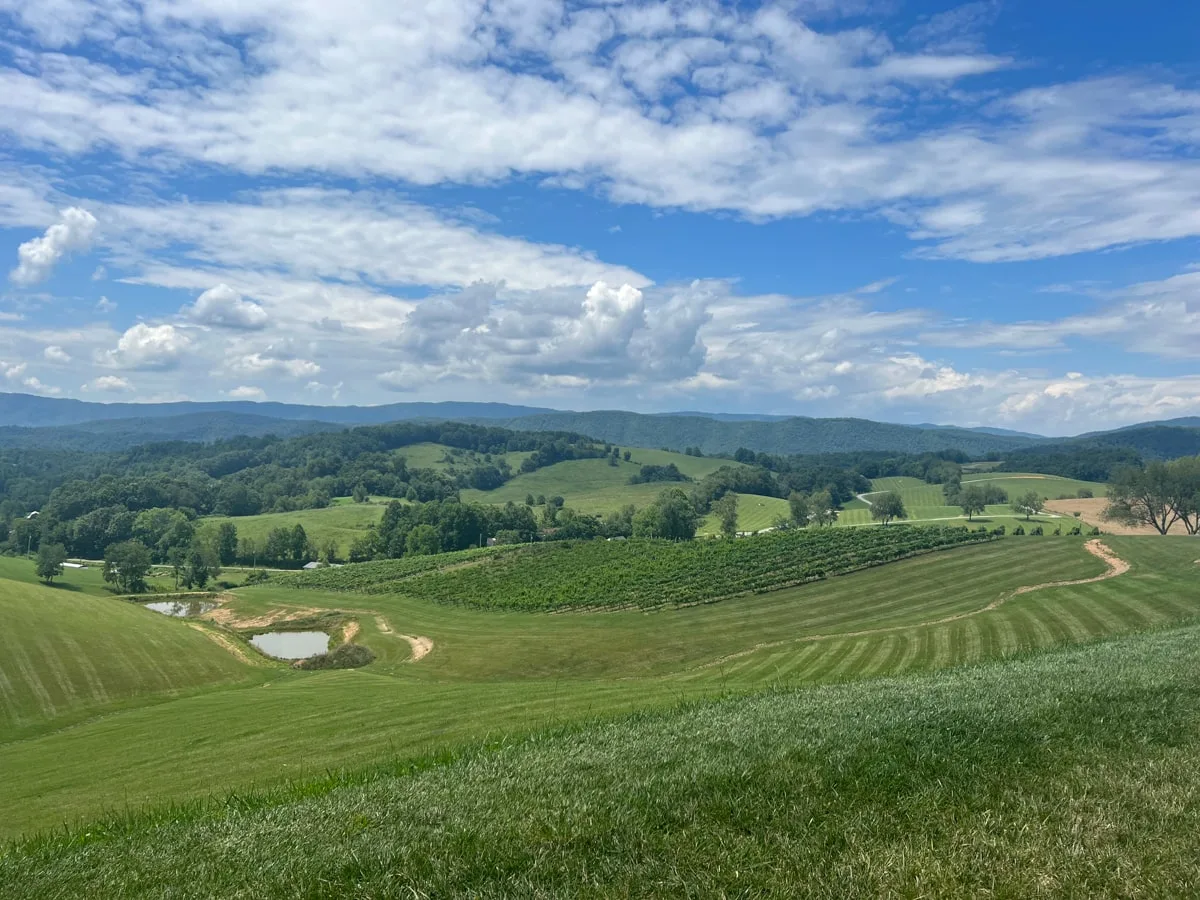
495, 673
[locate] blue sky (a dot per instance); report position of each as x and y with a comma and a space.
973, 214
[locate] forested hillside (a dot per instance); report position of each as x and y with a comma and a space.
789, 436
115, 435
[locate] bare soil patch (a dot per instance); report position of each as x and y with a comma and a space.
1091, 511
227, 618
420, 646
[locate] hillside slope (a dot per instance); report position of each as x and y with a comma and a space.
1064, 774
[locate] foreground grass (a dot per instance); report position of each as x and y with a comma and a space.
1065, 774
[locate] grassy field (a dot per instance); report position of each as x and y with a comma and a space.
593, 486
65, 652
1065, 774
589, 485
754, 514
926, 502
340, 523
506, 673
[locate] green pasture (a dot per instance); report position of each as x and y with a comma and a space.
594, 486
927, 503
494, 673
1048, 487
341, 523
1064, 774
754, 514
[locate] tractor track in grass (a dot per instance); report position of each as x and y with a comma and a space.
1096, 547
421, 646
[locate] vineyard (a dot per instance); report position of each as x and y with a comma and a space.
368, 576
651, 574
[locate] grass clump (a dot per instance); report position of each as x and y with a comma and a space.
344, 656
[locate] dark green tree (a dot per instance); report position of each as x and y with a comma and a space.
227, 543
50, 561
971, 500
727, 514
887, 506
798, 507
126, 565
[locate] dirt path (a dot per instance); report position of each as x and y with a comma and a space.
1096, 547
421, 646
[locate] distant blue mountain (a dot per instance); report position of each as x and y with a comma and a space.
35, 412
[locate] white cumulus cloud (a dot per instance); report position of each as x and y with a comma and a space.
258, 363
246, 392
224, 307
56, 354
148, 347
37, 258
109, 384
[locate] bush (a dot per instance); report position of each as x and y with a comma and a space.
1036, 530
1075, 530
347, 656
1085, 494
998, 531
1095, 532
1020, 529
257, 576
1076, 515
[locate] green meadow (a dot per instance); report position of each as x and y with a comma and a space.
164, 714
1063, 774
926, 502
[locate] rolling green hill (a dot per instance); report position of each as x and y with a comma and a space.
341, 522
594, 486
1074, 766
65, 652
496, 673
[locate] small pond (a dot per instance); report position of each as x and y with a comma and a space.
291, 644
181, 608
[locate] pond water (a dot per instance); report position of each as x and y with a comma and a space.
181, 608
291, 644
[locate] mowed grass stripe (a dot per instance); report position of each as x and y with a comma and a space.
65, 652
477, 680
